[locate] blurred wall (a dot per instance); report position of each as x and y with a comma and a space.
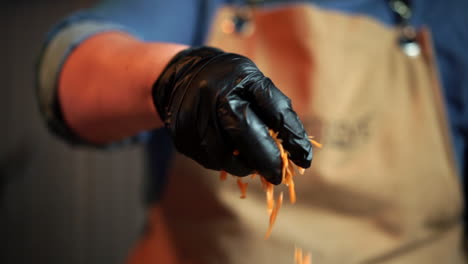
57, 204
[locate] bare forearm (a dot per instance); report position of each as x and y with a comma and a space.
105, 86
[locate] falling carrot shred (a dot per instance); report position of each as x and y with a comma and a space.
273, 214
270, 198
299, 258
298, 255
307, 259
292, 193
287, 174
242, 187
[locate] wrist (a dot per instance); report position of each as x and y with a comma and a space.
173, 79
147, 62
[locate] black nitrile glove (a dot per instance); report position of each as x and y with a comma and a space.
215, 102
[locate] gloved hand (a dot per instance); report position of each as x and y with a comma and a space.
215, 102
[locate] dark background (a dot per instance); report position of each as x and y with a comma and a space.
58, 204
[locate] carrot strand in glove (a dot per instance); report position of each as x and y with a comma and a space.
314, 142
223, 175
288, 171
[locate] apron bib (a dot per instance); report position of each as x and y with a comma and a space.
382, 190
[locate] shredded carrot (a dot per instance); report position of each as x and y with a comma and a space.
315, 143
273, 214
289, 173
287, 169
300, 170
265, 183
291, 167
298, 255
307, 259
273, 207
292, 193
270, 198
299, 258
223, 175
242, 187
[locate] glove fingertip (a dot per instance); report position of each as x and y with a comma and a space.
274, 180
273, 177
236, 167
300, 152
303, 163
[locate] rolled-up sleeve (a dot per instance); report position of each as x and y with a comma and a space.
61, 41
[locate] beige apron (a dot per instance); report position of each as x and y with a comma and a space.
382, 190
